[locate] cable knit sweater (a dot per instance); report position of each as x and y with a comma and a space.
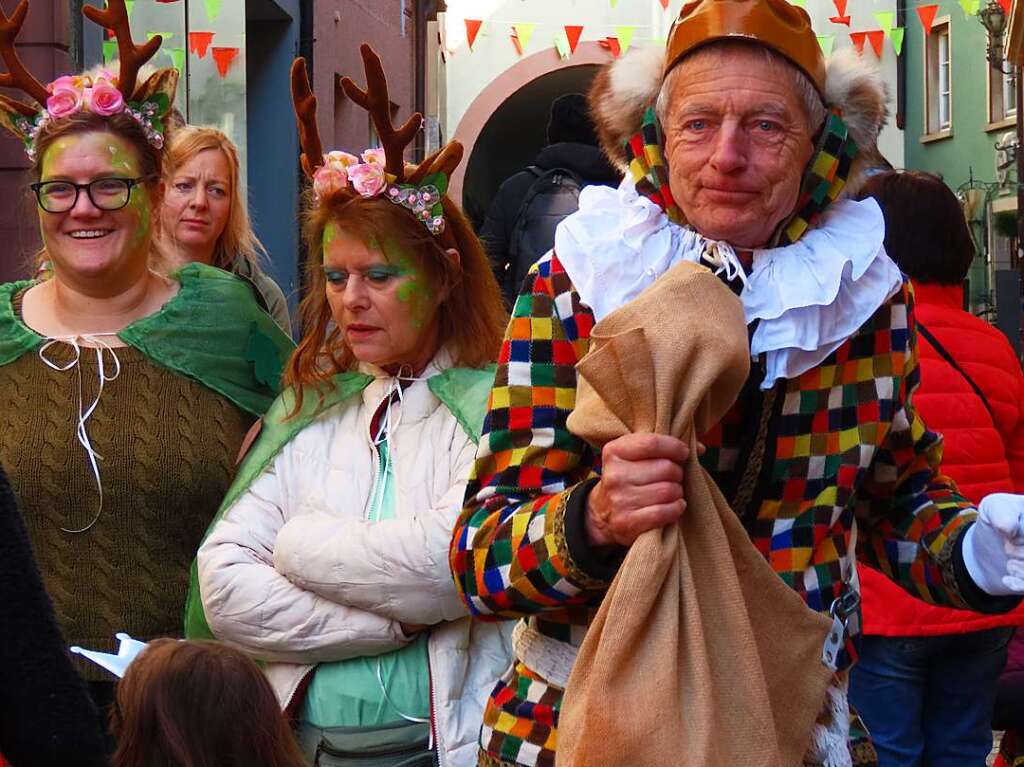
168, 445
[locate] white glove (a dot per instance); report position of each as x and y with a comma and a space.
994, 545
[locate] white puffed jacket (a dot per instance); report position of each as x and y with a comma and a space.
294, 574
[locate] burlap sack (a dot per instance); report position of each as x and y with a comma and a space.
700, 655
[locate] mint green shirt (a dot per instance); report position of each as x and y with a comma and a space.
349, 693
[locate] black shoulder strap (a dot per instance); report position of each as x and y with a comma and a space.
949, 358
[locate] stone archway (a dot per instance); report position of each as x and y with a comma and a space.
589, 54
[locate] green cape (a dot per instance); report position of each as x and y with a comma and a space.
212, 331
463, 391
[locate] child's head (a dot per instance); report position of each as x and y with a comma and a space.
199, 704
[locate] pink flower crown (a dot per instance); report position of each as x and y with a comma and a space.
99, 94
367, 177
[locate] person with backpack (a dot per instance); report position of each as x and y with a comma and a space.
926, 681
528, 206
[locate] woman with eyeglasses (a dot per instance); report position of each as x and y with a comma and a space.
124, 394
204, 217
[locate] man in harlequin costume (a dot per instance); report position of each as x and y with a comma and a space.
743, 145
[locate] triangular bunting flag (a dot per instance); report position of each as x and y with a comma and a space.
562, 45
165, 36
524, 32
858, 38
970, 7
800, 3
224, 57
840, 7
572, 34
177, 57
896, 35
927, 15
1006, 6
840, 20
212, 9
472, 30
664, 5
128, 6
877, 39
198, 42
826, 42
614, 2
612, 45
625, 36
887, 19
109, 51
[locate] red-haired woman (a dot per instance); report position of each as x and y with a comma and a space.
330, 558
193, 704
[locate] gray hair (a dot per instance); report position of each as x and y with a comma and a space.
807, 94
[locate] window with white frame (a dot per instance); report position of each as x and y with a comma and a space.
1002, 93
938, 78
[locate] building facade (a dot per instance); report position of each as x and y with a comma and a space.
961, 123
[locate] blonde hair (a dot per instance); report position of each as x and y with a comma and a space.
238, 238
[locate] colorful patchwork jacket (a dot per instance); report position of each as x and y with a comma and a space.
842, 441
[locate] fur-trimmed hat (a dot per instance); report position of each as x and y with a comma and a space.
624, 89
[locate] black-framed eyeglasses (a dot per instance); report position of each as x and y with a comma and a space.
105, 193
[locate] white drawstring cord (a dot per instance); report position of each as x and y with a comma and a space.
384, 432
92, 340
720, 254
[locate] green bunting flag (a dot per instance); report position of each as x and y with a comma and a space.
212, 9
896, 35
562, 45
826, 42
887, 19
625, 35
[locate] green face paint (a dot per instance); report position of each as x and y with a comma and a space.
415, 289
122, 158
330, 234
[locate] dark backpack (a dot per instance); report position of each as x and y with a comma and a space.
552, 196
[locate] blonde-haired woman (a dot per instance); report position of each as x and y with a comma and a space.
205, 218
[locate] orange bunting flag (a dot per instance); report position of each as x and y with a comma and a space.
572, 34
199, 42
858, 38
840, 7
840, 20
927, 15
472, 30
664, 5
224, 57
611, 44
877, 39
1006, 6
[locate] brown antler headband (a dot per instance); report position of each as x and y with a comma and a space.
17, 76
417, 188
132, 56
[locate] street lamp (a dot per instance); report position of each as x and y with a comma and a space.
993, 18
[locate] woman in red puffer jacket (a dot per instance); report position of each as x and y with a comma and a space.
925, 684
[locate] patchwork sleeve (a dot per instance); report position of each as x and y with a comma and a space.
913, 517
509, 552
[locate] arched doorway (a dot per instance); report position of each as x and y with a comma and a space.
505, 126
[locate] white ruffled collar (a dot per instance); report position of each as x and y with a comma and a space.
809, 297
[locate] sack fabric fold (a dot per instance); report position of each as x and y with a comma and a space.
700, 654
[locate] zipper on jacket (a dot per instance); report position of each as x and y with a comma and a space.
435, 741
